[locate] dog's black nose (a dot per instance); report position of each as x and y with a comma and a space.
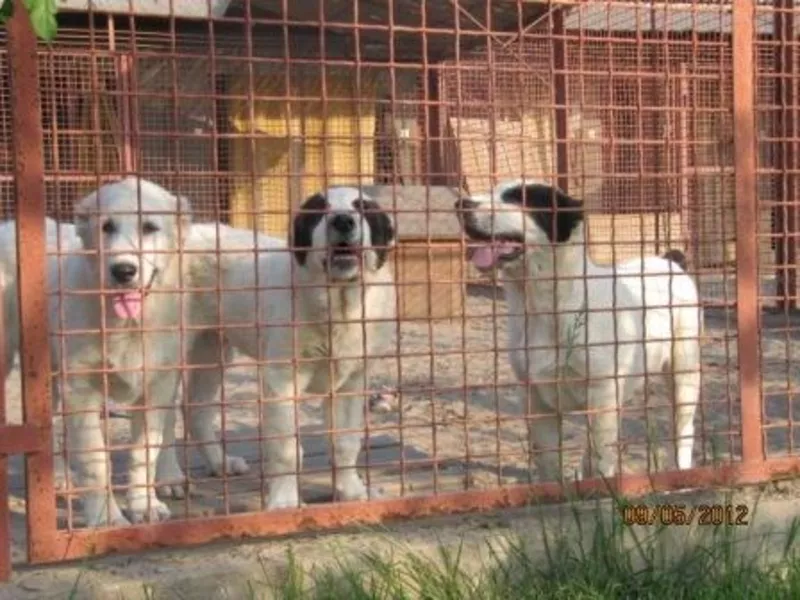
465, 204
343, 223
123, 272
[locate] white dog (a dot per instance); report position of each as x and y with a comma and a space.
57, 236
322, 310
602, 328
141, 240
211, 251
124, 319
61, 240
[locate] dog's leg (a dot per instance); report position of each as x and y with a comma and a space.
686, 381
544, 432
203, 392
147, 433
171, 481
602, 453
347, 413
282, 450
60, 470
88, 450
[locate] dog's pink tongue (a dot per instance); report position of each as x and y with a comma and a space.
484, 257
127, 305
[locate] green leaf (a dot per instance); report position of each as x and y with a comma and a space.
6, 10
42, 14
43, 18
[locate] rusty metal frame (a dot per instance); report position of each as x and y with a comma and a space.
560, 93
747, 286
180, 533
5, 512
46, 544
34, 438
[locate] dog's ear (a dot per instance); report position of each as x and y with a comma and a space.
184, 216
555, 212
380, 225
82, 217
305, 221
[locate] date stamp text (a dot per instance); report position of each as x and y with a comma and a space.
682, 514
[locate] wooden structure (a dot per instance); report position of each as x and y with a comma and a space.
430, 269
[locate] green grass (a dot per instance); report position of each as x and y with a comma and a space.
613, 561
592, 555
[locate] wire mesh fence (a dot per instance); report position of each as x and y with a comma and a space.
289, 269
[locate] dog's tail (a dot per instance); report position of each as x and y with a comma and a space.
677, 257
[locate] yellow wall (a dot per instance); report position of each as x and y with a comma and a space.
335, 139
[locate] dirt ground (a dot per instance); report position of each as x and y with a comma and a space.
459, 423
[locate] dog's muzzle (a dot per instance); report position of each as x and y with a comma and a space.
126, 302
486, 256
344, 256
484, 251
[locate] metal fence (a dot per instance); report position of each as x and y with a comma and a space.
673, 123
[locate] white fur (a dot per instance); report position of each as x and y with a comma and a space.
61, 240
359, 292
213, 250
137, 354
59, 237
658, 325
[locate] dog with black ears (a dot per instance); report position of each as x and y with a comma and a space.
321, 310
585, 336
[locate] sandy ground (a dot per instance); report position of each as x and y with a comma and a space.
459, 423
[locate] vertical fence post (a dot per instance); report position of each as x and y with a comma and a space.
560, 96
29, 188
5, 513
747, 287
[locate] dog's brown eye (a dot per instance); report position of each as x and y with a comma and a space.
109, 227
149, 227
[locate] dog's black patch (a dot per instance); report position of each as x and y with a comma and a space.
306, 220
677, 257
380, 226
557, 213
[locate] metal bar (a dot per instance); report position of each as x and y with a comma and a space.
786, 197
124, 81
5, 513
434, 129
70, 545
34, 351
5, 518
21, 439
744, 140
560, 85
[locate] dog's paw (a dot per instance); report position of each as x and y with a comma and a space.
60, 480
116, 519
153, 511
281, 503
234, 465
98, 510
174, 490
61, 474
283, 493
356, 490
